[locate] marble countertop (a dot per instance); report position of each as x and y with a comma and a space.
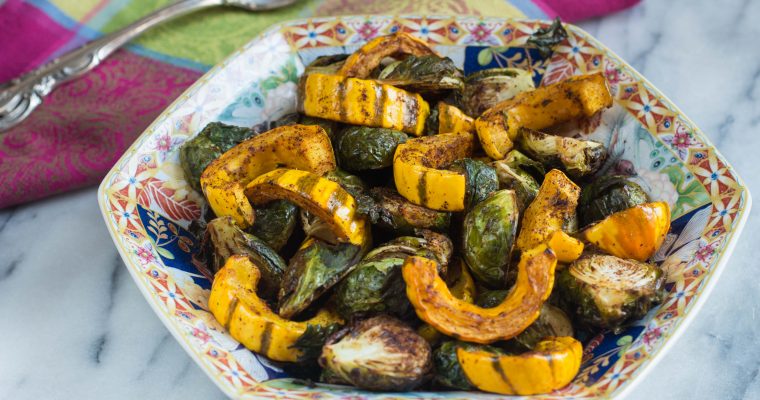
75, 326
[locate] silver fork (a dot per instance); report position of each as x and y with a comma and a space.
20, 96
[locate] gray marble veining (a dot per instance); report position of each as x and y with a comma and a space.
75, 326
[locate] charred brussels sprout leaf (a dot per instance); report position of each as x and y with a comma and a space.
488, 236
486, 88
275, 223
606, 291
491, 298
480, 180
360, 148
311, 342
380, 353
431, 122
314, 269
551, 322
578, 157
521, 174
608, 195
226, 239
545, 39
428, 73
401, 216
326, 64
197, 153
358, 190
448, 372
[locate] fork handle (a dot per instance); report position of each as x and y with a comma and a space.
19, 97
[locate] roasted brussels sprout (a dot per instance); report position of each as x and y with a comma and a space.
486, 88
577, 157
314, 269
401, 216
545, 39
552, 322
491, 298
360, 148
275, 223
310, 344
448, 372
380, 353
365, 204
197, 153
488, 236
423, 74
226, 239
519, 173
608, 195
606, 291
480, 180
326, 64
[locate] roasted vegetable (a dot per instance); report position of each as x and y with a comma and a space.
275, 223
566, 247
552, 322
380, 353
634, 233
360, 148
197, 153
361, 63
577, 157
488, 236
551, 365
362, 102
453, 120
480, 180
462, 286
486, 88
365, 204
545, 39
448, 372
553, 207
316, 267
576, 97
434, 303
320, 196
311, 342
606, 196
606, 291
236, 305
329, 65
399, 215
424, 74
304, 147
513, 174
417, 173
226, 240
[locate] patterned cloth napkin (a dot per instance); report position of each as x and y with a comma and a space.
84, 126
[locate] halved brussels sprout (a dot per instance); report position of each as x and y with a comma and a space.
215, 138
484, 89
380, 353
578, 157
545, 39
423, 74
551, 322
491, 298
401, 216
519, 173
480, 180
608, 195
488, 236
606, 291
360, 148
275, 222
329, 64
448, 372
224, 239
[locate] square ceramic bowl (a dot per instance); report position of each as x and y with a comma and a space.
147, 204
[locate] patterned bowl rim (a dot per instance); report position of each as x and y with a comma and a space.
620, 392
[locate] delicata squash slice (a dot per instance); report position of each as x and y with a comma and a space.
362, 102
305, 147
551, 365
435, 304
452, 119
249, 320
319, 196
417, 173
361, 63
576, 97
552, 208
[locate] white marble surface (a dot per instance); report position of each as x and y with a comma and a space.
73, 325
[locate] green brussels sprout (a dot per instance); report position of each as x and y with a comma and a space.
314, 269
402, 217
488, 236
312, 340
197, 153
606, 291
551, 322
379, 353
448, 372
360, 148
578, 157
480, 180
608, 195
329, 64
275, 222
431, 122
491, 298
486, 88
224, 239
423, 74
358, 190
519, 173
545, 39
